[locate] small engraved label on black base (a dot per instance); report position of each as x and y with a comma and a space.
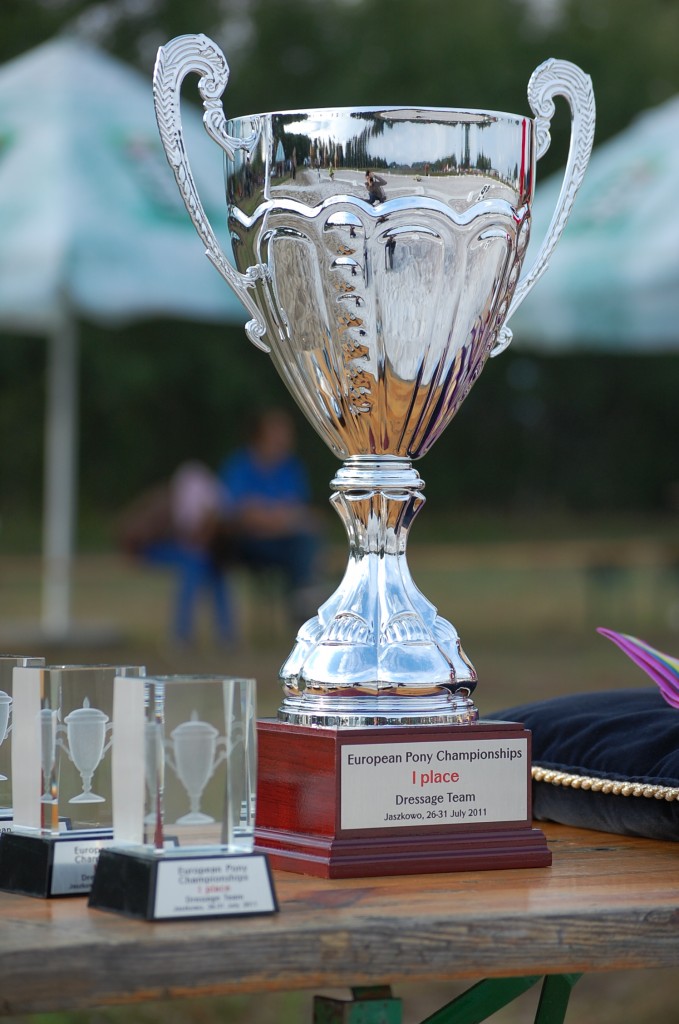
47, 866
139, 884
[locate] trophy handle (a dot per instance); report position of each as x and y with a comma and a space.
556, 78
221, 753
174, 62
60, 733
108, 728
168, 755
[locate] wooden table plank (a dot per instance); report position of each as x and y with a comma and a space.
607, 903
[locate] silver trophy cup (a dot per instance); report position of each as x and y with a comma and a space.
378, 251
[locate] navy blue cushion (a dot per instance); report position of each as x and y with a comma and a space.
607, 761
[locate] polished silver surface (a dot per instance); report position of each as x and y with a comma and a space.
356, 712
379, 306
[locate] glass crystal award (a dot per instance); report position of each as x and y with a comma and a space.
61, 770
184, 778
8, 662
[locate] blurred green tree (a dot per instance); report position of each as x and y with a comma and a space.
161, 392
441, 52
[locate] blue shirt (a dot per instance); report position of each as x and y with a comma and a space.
246, 480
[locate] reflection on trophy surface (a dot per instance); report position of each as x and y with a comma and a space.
86, 729
48, 738
378, 251
196, 755
154, 760
5, 707
8, 662
240, 729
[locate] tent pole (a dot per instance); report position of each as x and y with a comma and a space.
60, 474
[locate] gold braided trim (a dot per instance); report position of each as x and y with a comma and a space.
596, 785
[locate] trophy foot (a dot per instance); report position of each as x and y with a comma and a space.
339, 675
356, 709
195, 818
87, 798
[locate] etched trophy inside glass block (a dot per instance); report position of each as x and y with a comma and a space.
189, 780
184, 787
61, 771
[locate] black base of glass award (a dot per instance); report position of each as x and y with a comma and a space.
46, 866
157, 887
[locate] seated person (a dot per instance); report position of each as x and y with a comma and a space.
266, 494
173, 525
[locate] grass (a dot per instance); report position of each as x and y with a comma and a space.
526, 613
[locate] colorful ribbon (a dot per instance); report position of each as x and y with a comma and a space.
662, 668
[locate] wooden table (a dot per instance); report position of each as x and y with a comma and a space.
607, 903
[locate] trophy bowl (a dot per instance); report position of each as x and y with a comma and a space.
378, 251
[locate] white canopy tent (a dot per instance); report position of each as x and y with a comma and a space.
613, 281
92, 226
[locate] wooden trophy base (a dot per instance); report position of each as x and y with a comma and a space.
350, 803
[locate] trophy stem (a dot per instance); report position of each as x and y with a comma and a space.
377, 652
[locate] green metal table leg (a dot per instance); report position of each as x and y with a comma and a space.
376, 1005
368, 1005
482, 1000
556, 992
